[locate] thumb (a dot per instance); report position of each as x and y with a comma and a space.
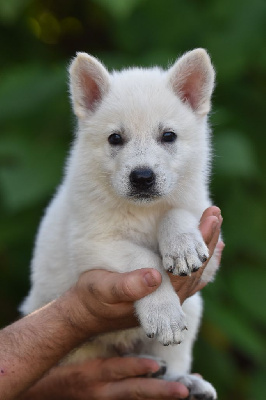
129, 286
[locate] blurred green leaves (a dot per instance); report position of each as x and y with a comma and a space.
30, 158
235, 324
248, 289
11, 10
119, 8
30, 170
29, 88
235, 155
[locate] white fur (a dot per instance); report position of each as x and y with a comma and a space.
94, 221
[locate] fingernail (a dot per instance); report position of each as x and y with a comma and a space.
217, 213
150, 280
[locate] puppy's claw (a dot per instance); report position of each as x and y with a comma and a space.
150, 335
203, 258
195, 268
171, 269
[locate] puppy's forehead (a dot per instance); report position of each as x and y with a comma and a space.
138, 85
142, 103
141, 94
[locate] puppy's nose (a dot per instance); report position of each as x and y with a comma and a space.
142, 178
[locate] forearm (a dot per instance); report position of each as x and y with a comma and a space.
32, 345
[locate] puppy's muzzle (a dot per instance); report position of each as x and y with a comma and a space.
142, 179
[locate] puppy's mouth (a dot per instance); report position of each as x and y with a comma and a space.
144, 196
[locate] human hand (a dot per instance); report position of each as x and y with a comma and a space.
110, 379
108, 297
210, 227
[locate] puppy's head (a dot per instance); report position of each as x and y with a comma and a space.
143, 132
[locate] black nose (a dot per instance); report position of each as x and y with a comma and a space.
142, 178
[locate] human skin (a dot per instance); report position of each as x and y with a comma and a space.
101, 301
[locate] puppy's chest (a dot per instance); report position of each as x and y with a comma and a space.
139, 229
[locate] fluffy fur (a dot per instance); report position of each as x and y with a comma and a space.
135, 186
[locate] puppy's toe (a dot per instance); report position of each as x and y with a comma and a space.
203, 252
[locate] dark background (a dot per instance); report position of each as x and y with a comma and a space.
37, 40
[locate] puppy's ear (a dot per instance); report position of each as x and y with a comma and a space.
192, 79
89, 82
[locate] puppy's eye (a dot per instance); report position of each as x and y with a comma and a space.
115, 139
168, 137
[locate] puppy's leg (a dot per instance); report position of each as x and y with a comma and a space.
161, 315
180, 242
178, 358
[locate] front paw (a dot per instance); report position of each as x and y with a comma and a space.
185, 254
164, 321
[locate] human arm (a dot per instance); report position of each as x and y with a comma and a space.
99, 302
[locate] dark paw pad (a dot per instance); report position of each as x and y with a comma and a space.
160, 372
203, 258
195, 269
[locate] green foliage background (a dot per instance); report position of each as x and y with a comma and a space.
38, 38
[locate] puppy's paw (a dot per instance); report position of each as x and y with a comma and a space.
164, 321
199, 389
185, 254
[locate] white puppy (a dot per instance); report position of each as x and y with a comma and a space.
135, 186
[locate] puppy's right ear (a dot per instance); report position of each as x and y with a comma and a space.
89, 82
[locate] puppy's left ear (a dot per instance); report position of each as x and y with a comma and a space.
192, 79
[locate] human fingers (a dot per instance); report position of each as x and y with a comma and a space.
210, 219
111, 369
219, 250
210, 227
112, 287
214, 245
142, 388
118, 368
212, 210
